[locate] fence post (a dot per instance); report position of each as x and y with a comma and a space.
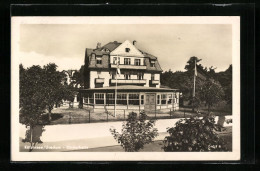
184, 113
170, 113
70, 119
155, 111
124, 115
107, 116
89, 116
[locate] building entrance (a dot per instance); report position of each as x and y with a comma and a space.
150, 102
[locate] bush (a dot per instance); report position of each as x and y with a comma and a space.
194, 134
135, 132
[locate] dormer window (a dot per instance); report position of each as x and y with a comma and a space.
127, 49
99, 60
152, 62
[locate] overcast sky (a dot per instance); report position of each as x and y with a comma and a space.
173, 44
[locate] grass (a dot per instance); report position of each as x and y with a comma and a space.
66, 115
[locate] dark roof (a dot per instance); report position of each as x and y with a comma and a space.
147, 55
112, 46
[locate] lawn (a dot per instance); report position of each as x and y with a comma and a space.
66, 115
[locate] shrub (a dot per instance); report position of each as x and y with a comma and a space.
136, 132
194, 134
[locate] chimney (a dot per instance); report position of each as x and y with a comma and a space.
98, 45
134, 42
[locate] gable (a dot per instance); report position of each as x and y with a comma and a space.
127, 49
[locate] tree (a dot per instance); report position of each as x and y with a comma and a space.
194, 134
32, 102
225, 79
135, 132
69, 93
53, 88
211, 92
78, 78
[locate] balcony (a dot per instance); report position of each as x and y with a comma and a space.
129, 66
124, 81
156, 82
99, 80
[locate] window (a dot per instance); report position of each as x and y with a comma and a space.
137, 62
142, 99
127, 49
169, 99
127, 61
115, 61
90, 97
121, 99
133, 99
99, 60
110, 99
127, 76
113, 76
99, 98
152, 63
163, 99
158, 99
152, 76
140, 76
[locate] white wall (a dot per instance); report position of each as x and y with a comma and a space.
120, 50
157, 77
103, 74
132, 59
147, 76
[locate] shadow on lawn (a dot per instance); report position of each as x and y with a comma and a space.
54, 116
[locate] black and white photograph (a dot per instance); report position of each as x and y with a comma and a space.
125, 88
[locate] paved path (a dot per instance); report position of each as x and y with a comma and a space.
90, 135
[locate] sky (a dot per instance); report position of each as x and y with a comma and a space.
173, 44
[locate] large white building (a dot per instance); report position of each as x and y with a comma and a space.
137, 86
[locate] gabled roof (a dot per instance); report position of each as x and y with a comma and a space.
111, 46
101, 52
148, 55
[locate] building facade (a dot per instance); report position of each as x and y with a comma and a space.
122, 76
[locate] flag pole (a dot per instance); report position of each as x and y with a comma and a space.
195, 74
194, 85
116, 85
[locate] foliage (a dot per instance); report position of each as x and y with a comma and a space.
191, 65
194, 134
32, 101
225, 79
78, 78
136, 132
40, 89
53, 88
211, 93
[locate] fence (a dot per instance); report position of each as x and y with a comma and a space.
86, 114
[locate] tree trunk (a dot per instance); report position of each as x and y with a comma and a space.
192, 104
49, 113
31, 141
